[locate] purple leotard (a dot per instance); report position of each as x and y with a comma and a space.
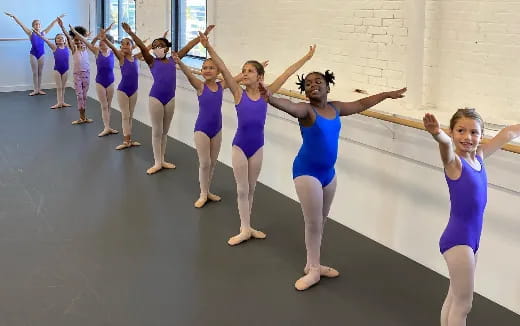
468, 196
105, 69
164, 80
209, 120
251, 121
129, 77
61, 60
37, 48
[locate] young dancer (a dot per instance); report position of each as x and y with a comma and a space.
37, 52
81, 70
207, 132
247, 152
313, 168
463, 156
104, 77
127, 88
60, 50
162, 94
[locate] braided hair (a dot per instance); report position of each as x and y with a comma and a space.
328, 76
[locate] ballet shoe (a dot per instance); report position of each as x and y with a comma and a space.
308, 280
154, 169
245, 235
200, 202
168, 165
325, 271
214, 197
81, 121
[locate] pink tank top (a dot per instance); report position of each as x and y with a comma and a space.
81, 63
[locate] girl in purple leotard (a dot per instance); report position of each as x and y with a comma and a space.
127, 88
247, 152
463, 157
61, 52
104, 76
208, 136
37, 53
162, 94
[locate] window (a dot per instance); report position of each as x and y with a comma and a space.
190, 19
117, 11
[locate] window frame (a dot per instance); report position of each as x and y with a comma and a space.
101, 12
175, 28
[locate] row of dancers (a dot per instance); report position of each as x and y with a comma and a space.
461, 150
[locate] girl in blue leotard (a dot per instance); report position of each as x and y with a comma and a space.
208, 135
247, 150
313, 168
37, 53
463, 157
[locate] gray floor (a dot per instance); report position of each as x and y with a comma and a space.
87, 238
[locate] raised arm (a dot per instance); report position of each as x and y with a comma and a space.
48, 29
297, 110
49, 43
503, 137
277, 84
182, 52
146, 55
25, 29
348, 108
66, 34
194, 81
445, 145
91, 47
102, 30
236, 90
103, 37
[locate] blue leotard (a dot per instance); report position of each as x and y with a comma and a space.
319, 150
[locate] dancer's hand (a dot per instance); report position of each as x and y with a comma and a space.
176, 58
265, 93
102, 35
208, 29
61, 16
60, 22
309, 54
397, 93
431, 124
165, 33
265, 63
9, 14
126, 28
204, 40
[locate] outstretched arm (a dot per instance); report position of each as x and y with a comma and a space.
91, 47
98, 37
182, 52
25, 29
445, 145
503, 137
297, 110
348, 108
194, 81
144, 51
67, 36
48, 29
277, 84
228, 78
49, 43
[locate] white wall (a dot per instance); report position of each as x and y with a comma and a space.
15, 70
